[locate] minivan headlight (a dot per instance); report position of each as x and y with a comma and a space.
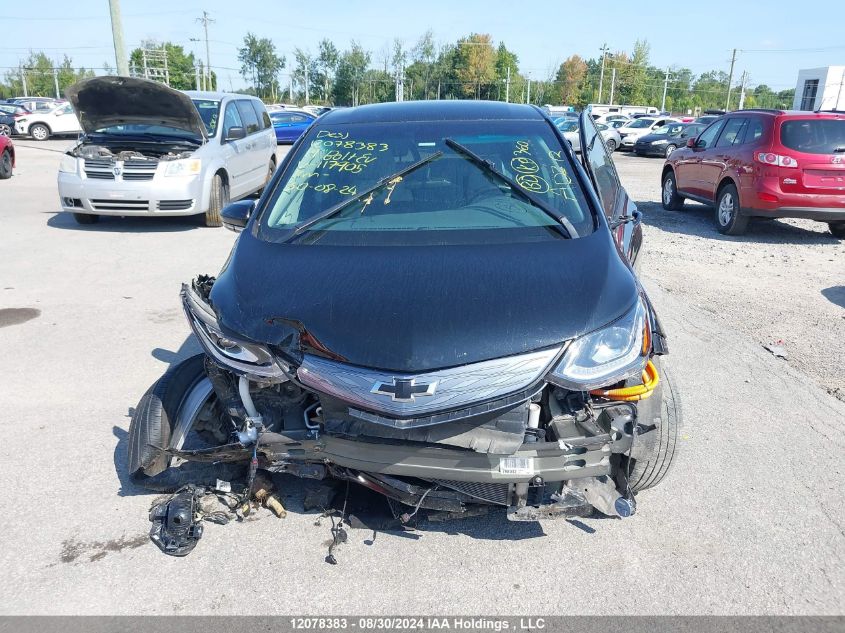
606, 356
68, 164
184, 167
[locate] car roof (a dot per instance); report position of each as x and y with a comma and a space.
216, 96
456, 110
806, 114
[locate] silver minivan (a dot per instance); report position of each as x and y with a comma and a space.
150, 150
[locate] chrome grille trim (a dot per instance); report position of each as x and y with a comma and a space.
456, 387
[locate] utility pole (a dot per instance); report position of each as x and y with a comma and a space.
306, 84
612, 84
117, 36
603, 50
508, 86
665, 87
56, 82
730, 80
205, 20
742, 91
528, 93
197, 75
290, 88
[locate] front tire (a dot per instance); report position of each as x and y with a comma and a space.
39, 132
727, 212
611, 145
671, 200
663, 410
5, 130
6, 165
837, 229
217, 202
86, 218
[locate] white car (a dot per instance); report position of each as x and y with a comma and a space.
43, 125
633, 130
149, 150
569, 128
611, 116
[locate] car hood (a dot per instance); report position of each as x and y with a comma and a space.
417, 308
105, 101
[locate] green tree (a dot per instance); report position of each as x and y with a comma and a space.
41, 74
477, 61
305, 72
351, 69
506, 61
181, 66
327, 60
570, 79
260, 63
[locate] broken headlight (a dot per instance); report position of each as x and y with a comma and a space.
606, 356
240, 356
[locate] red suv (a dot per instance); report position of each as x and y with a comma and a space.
766, 164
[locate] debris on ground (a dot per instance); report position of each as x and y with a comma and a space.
778, 349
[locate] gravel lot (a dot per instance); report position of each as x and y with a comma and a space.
750, 521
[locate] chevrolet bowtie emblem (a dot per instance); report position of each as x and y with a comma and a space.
403, 389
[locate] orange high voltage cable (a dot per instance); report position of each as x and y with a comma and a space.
635, 393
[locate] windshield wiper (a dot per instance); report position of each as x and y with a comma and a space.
488, 166
334, 210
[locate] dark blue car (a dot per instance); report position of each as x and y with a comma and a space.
289, 125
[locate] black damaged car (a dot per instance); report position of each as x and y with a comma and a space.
436, 301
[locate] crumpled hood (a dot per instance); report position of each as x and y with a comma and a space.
105, 101
411, 309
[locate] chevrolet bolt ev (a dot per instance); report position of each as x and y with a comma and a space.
148, 150
436, 301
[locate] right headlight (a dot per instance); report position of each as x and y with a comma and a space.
242, 357
607, 356
68, 164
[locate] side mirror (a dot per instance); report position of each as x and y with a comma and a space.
236, 215
691, 142
235, 133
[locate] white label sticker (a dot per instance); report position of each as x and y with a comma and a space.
223, 486
516, 465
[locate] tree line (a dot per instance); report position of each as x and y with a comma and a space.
473, 67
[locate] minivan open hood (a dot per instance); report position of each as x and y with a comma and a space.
105, 101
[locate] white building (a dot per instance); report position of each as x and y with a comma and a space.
820, 89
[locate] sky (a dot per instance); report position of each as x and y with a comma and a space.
775, 38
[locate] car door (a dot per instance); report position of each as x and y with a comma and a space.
723, 158
618, 208
234, 150
63, 120
299, 123
282, 124
256, 157
687, 170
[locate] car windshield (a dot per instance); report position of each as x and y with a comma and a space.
814, 136
567, 125
209, 110
672, 129
641, 123
448, 200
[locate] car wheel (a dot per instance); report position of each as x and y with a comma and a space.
727, 212
671, 200
611, 145
218, 201
837, 229
86, 218
6, 165
663, 411
670, 149
5, 130
270, 171
39, 132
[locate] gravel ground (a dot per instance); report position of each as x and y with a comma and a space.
783, 281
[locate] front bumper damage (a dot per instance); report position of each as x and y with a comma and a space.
317, 421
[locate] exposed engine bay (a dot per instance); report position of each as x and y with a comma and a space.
546, 452
128, 151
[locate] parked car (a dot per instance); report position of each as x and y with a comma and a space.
59, 121
290, 124
641, 126
763, 163
617, 123
9, 115
316, 110
606, 119
364, 326
37, 104
570, 128
707, 119
7, 157
150, 150
665, 140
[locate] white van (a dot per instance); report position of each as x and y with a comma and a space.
150, 150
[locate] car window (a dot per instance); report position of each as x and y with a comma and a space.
601, 168
448, 200
299, 118
641, 123
814, 136
209, 110
261, 113
232, 118
601, 127
248, 116
732, 133
691, 131
755, 129
708, 137
281, 117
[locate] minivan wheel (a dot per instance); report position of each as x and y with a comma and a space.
663, 410
727, 215
39, 132
6, 165
670, 149
86, 218
837, 229
218, 201
671, 200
